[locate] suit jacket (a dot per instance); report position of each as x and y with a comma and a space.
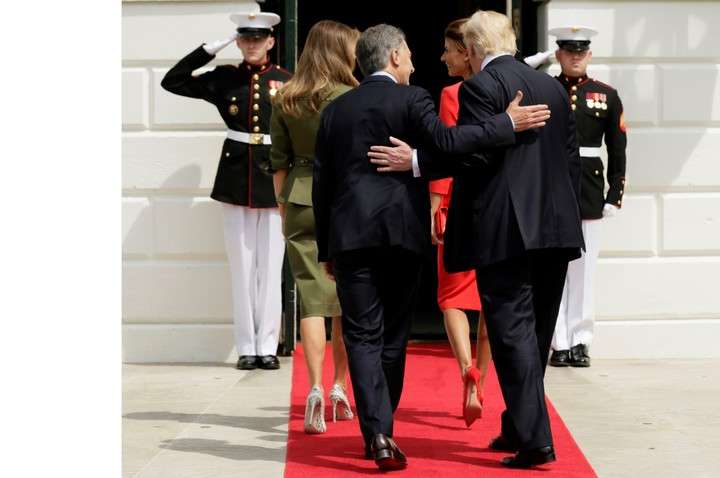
526, 197
357, 207
293, 148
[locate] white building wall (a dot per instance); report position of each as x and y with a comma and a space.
656, 293
176, 291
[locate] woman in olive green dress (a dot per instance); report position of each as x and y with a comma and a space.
324, 72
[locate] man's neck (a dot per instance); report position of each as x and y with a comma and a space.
386, 72
489, 58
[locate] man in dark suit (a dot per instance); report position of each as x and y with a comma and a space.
375, 227
517, 223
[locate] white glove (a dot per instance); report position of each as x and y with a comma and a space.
610, 210
539, 58
214, 47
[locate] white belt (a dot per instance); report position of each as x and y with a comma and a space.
590, 152
248, 138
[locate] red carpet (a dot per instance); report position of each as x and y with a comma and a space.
428, 427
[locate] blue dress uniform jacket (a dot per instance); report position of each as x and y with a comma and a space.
598, 114
242, 94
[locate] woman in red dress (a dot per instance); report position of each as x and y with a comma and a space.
457, 292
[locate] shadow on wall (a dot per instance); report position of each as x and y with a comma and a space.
175, 276
668, 100
685, 96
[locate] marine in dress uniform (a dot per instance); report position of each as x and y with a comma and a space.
599, 114
243, 184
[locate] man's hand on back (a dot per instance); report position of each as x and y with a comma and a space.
396, 158
527, 117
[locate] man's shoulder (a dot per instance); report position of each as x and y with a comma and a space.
415, 91
481, 84
599, 85
595, 86
277, 72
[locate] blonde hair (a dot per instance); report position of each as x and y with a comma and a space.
490, 32
328, 59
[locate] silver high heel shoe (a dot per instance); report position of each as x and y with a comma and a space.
315, 412
340, 401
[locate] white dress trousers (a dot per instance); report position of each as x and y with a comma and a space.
577, 309
255, 248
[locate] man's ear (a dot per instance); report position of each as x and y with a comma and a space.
472, 51
395, 58
557, 55
270, 43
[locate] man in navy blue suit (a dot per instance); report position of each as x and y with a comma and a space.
516, 222
374, 227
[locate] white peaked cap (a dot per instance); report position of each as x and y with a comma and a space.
255, 20
573, 33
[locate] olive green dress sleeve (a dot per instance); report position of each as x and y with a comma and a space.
281, 151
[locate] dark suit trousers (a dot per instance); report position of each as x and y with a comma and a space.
376, 288
521, 299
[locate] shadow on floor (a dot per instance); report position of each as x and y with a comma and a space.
266, 425
225, 449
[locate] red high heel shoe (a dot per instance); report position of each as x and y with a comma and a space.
472, 402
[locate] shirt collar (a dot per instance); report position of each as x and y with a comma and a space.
385, 73
490, 58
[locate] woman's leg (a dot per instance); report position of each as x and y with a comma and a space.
339, 353
312, 334
483, 351
458, 332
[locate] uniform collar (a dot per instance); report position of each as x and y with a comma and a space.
570, 81
256, 68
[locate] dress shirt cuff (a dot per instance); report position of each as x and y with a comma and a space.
415, 165
511, 121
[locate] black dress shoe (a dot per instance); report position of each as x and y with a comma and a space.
530, 458
560, 358
500, 443
268, 362
247, 362
580, 357
368, 453
387, 454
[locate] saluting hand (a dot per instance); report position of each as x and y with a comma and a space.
214, 47
527, 117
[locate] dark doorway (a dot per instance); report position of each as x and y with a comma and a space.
423, 24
